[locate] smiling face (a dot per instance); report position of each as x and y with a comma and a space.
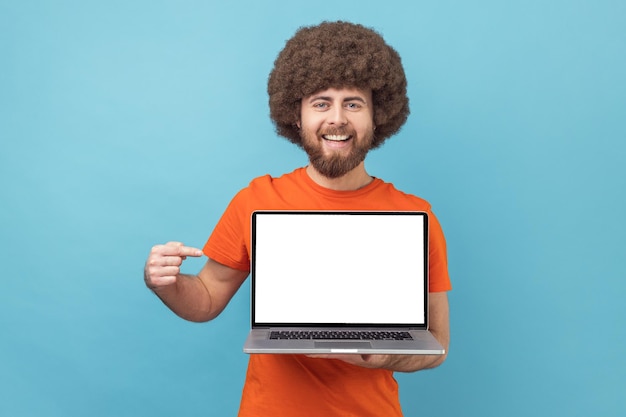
337, 129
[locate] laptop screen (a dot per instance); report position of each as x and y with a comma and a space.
337, 268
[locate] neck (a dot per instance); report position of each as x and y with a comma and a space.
353, 180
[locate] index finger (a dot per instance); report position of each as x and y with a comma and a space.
178, 249
189, 251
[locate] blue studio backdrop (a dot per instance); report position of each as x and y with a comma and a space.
124, 124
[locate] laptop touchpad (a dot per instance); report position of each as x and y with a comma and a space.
343, 345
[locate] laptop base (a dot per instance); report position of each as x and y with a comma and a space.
423, 343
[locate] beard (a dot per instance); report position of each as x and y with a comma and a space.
337, 163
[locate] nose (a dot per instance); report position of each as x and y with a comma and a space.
337, 116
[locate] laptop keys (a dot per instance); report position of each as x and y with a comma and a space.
340, 335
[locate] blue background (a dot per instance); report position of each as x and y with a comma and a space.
124, 124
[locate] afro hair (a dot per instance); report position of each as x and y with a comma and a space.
337, 55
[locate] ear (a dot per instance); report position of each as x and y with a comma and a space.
298, 124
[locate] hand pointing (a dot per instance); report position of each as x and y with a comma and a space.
164, 261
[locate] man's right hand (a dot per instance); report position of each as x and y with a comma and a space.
163, 264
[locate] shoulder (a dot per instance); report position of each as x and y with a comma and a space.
411, 201
269, 181
268, 192
268, 186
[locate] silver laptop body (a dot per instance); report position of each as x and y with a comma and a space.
340, 282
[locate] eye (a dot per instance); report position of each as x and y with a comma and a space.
321, 105
353, 105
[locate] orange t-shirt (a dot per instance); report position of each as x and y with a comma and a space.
296, 385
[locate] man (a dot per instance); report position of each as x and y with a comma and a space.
337, 90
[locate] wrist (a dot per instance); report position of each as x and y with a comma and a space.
165, 291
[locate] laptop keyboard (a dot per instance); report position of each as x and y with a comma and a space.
341, 335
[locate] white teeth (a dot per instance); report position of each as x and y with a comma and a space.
336, 137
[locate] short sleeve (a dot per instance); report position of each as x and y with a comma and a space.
439, 279
228, 242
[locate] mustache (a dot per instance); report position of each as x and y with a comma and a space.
339, 131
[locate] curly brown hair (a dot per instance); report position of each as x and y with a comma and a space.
336, 55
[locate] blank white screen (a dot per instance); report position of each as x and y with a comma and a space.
339, 268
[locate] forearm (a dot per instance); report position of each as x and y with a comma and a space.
396, 363
440, 328
411, 363
187, 297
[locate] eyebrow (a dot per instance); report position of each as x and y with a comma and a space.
328, 98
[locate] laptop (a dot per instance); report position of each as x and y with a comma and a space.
325, 282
